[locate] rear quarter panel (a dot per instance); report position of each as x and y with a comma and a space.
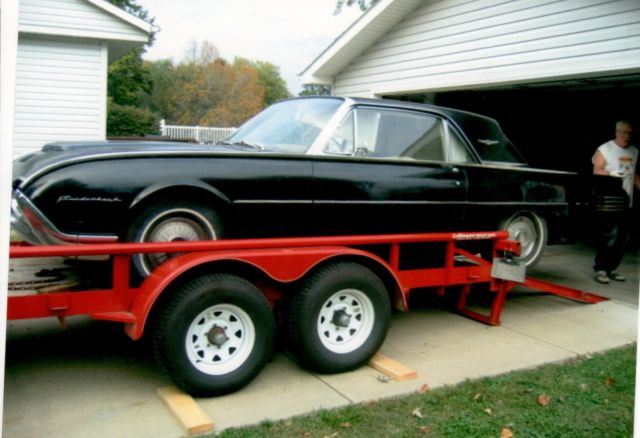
496, 192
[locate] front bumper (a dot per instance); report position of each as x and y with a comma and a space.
36, 229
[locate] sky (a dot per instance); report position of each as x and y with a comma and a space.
287, 33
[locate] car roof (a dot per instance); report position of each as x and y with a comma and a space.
459, 116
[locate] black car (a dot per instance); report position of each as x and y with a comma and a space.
305, 166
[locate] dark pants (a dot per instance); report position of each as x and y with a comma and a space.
613, 234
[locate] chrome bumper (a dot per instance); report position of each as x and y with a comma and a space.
36, 229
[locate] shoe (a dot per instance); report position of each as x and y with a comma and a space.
615, 276
602, 277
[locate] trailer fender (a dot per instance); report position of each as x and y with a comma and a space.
283, 265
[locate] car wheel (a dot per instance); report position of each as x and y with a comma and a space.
339, 318
214, 335
531, 231
176, 222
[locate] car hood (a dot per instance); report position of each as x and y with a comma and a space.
55, 155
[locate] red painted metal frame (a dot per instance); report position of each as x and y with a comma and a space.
284, 260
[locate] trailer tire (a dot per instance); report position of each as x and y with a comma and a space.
214, 335
339, 318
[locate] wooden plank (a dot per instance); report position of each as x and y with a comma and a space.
392, 368
185, 409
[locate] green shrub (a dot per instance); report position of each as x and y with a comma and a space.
125, 120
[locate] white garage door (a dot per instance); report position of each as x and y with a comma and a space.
60, 92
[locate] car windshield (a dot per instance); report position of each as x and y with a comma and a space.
290, 126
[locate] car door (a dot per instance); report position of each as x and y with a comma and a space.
386, 171
269, 194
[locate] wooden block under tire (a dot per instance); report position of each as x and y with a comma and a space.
185, 409
392, 368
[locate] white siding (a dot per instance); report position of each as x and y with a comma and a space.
77, 18
448, 44
60, 92
359, 37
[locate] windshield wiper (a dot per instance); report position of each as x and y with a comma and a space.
243, 143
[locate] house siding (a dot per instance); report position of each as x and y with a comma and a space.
76, 18
60, 92
455, 44
368, 32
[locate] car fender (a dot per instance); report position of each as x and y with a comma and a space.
283, 265
154, 189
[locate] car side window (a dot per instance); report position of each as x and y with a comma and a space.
402, 134
388, 133
343, 139
458, 153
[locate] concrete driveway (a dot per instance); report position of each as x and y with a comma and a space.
91, 380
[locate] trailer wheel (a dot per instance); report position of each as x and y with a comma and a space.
214, 335
171, 222
339, 318
531, 231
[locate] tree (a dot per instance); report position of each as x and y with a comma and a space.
275, 88
127, 79
243, 99
162, 76
315, 90
204, 53
128, 82
204, 89
196, 89
362, 4
214, 93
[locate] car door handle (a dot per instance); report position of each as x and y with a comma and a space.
455, 169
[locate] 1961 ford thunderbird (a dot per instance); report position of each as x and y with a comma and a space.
305, 166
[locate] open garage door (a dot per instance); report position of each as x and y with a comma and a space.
556, 125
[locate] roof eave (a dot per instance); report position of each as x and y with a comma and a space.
123, 15
333, 58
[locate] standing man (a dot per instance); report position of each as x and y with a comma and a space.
616, 158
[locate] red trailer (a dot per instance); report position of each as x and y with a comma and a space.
212, 308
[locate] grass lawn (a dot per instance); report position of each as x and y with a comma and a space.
586, 397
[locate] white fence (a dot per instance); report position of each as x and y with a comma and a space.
201, 134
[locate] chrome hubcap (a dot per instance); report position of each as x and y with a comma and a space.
176, 225
523, 230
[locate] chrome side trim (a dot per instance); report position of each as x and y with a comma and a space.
37, 229
273, 201
370, 202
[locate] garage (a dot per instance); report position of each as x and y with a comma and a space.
557, 75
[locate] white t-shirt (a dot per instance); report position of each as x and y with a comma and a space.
621, 162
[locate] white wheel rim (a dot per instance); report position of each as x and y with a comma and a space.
175, 225
524, 230
345, 321
220, 339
